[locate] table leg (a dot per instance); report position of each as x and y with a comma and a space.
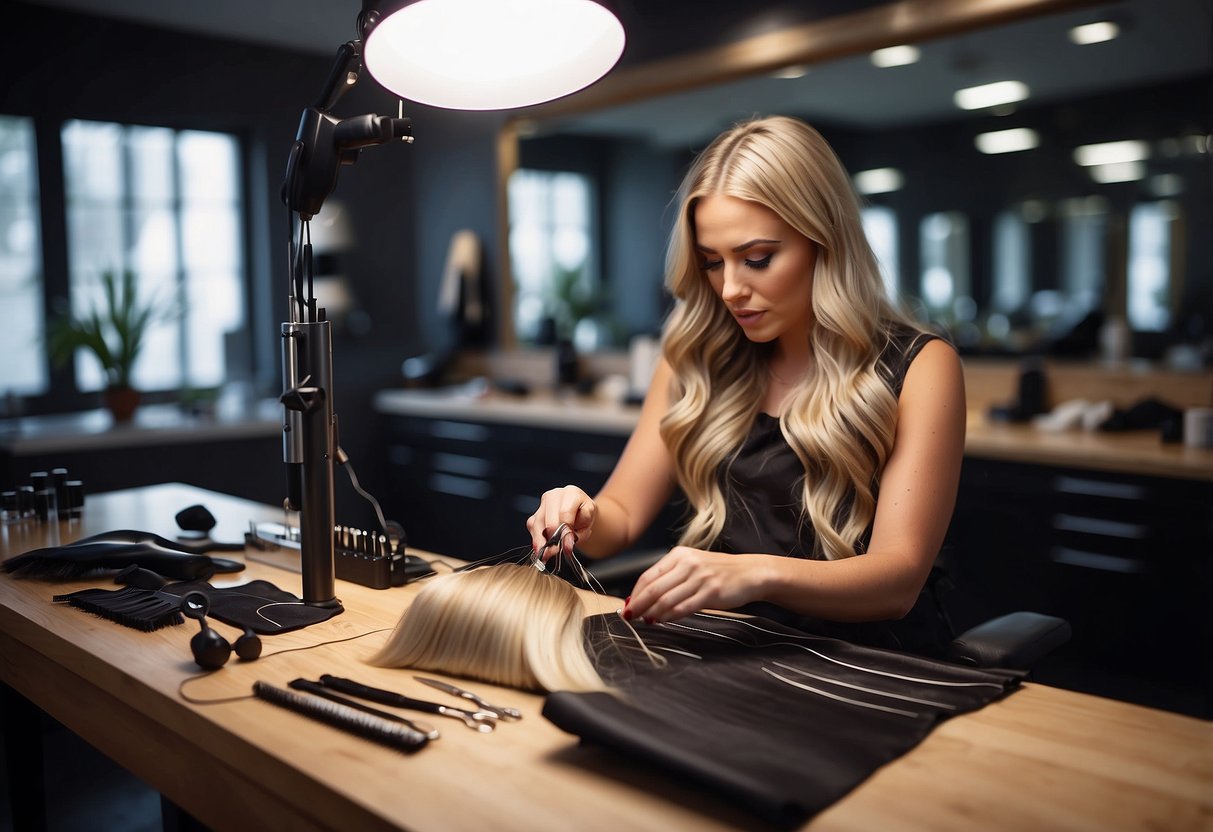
21, 724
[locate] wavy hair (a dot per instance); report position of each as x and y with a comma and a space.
841, 416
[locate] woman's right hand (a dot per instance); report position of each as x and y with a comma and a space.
569, 505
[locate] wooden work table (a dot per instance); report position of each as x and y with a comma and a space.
1041, 758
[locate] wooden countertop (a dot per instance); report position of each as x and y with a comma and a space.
1137, 452
1042, 758
153, 424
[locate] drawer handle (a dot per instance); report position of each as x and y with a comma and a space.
525, 504
1095, 525
1099, 488
468, 466
1095, 560
460, 486
459, 430
593, 463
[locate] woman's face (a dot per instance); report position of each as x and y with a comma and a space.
758, 265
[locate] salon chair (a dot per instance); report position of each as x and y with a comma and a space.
1017, 640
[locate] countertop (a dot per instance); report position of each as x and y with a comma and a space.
153, 424
1134, 452
1041, 758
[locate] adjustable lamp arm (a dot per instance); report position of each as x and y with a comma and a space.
324, 142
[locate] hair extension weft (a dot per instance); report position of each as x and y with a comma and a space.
507, 624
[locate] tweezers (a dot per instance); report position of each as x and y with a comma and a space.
555, 540
481, 721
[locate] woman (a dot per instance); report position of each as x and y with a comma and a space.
815, 430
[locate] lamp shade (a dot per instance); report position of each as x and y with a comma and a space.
492, 54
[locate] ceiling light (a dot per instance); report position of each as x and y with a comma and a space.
1166, 184
1111, 153
896, 56
791, 73
1118, 172
453, 53
879, 181
1007, 141
990, 95
1094, 32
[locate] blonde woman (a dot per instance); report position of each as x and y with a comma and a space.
815, 430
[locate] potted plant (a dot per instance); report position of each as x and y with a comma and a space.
113, 332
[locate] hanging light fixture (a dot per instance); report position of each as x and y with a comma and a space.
488, 54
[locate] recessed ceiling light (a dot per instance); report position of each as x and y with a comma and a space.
1166, 184
1118, 172
896, 56
1007, 141
1098, 32
1111, 153
990, 95
879, 181
792, 72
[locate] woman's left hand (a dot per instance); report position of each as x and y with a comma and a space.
687, 580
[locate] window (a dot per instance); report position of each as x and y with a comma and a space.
1012, 261
1084, 231
880, 226
24, 370
165, 204
551, 251
1149, 278
944, 239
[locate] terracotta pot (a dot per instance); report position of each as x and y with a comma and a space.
121, 402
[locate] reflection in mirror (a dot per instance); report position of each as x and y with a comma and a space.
551, 250
1020, 226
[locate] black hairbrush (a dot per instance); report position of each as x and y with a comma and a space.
117, 550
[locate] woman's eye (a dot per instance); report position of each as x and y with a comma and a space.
761, 263
710, 265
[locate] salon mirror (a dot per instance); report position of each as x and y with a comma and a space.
1002, 223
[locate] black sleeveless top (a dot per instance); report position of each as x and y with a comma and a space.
762, 489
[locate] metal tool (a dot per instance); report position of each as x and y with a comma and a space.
556, 539
482, 720
446, 687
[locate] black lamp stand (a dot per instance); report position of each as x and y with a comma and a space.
310, 445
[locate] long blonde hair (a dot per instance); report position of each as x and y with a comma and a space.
841, 417
507, 624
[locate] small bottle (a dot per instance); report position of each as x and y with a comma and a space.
74, 501
46, 506
25, 501
58, 482
10, 507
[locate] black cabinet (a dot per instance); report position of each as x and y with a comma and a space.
1126, 559
465, 488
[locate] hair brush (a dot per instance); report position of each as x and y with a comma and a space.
117, 550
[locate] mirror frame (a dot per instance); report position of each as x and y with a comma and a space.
839, 36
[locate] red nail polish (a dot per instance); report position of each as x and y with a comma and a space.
627, 600
627, 615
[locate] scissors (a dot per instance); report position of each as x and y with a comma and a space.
556, 539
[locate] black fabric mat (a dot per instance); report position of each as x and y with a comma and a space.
782, 750
259, 605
